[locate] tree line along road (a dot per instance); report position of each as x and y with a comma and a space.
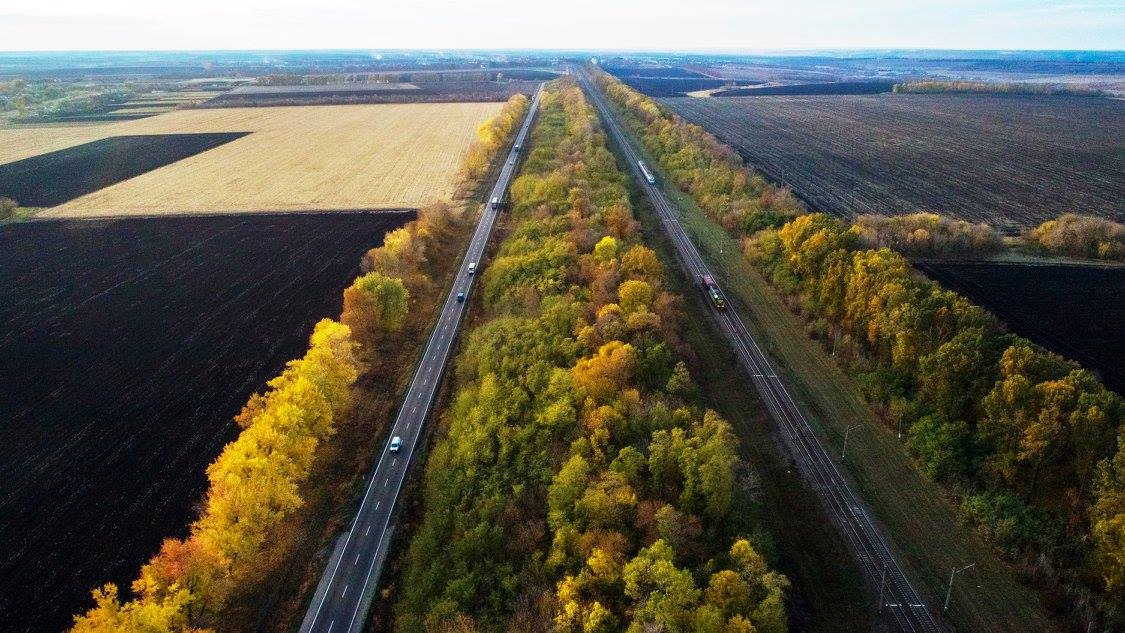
346, 589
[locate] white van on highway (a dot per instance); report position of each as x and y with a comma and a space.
396, 443
472, 267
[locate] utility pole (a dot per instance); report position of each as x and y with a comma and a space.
847, 431
949, 591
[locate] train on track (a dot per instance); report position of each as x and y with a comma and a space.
649, 176
711, 289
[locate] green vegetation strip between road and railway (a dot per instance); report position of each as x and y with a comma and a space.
579, 485
925, 526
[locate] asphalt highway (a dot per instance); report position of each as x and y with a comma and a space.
898, 598
348, 586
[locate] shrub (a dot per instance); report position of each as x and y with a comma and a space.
1081, 236
927, 235
7, 208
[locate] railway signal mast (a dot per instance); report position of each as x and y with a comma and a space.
949, 591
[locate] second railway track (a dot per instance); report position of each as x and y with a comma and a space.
897, 596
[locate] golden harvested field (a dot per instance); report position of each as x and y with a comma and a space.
26, 141
295, 158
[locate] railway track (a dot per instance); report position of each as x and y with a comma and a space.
897, 596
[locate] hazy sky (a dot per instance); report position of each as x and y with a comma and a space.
576, 24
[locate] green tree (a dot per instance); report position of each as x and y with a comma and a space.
958, 375
943, 447
728, 591
1108, 518
663, 594
375, 305
680, 382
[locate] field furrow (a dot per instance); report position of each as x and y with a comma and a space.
1012, 161
127, 347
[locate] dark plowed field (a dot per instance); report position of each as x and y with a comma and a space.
53, 178
125, 349
1076, 311
1013, 161
672, 86
653, 71
826, 88
668, 81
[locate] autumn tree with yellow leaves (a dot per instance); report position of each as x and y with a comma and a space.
1025, 438
253, 485
491, 137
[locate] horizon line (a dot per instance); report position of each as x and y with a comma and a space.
700, 51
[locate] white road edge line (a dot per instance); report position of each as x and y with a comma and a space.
483, 229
